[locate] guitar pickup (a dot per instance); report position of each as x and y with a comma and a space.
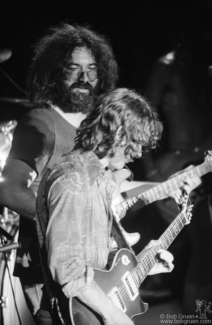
130, 286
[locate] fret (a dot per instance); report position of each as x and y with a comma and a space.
152, 195
181, 223
170, 234
173, 184
148, 261
199, 171
136, 276
159, 191
157, 194
152, 254
149, 196
165, 240
141, 271
207, 167
145, 265
174, 229
177, 227
165, 188
169, 237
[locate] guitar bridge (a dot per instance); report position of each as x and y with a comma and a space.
117, 299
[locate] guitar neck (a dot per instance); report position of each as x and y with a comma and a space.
147, 262
163, 189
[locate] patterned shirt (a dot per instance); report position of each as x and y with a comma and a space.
80, 220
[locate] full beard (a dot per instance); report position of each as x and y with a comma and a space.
71, 101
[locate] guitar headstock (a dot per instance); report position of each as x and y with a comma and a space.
208, 159
187, 208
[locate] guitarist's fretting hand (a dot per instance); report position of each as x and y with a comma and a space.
189, 183
164, 259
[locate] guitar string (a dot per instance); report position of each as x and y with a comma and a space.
144, 268
149, 196
149, 260
123, 290
151, 254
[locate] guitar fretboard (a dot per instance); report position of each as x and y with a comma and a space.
145, 265
163, 189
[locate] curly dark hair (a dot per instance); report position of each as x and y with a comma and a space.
121, 107
52, 54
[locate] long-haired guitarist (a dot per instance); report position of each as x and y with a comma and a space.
75, 215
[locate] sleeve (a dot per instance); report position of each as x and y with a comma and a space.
66, 235
33, 139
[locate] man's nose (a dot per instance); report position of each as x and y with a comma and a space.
83, 76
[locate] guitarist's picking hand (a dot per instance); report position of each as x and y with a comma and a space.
118, 317
94, 297
164, 259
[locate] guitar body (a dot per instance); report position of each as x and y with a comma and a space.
110, 282
121, 283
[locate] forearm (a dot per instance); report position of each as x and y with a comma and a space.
134, 188
19, 199
93, 296
140, 186
15, 192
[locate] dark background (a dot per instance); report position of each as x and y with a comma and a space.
140, 32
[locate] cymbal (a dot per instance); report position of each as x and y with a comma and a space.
210, 71
5, 54
18, 101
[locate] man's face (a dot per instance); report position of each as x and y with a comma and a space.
81, 71
80, 82
121, 158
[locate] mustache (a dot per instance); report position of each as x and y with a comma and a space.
81, 85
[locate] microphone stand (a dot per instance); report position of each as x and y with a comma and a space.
9, 247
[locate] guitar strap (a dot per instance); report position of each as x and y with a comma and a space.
119, 236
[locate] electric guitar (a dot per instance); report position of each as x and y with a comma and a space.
144, 194
137, 197
121, 283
